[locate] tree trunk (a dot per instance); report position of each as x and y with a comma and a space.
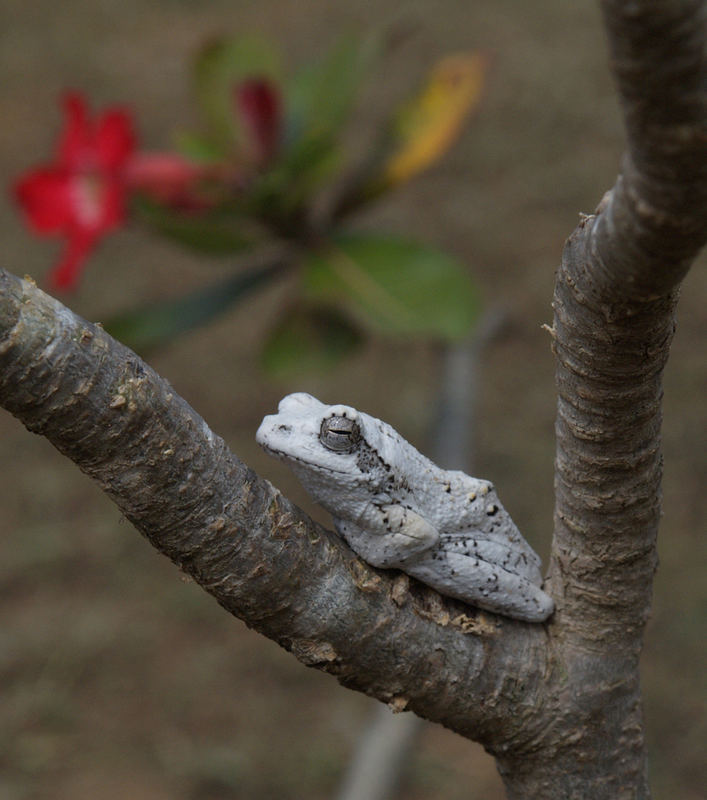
557, 704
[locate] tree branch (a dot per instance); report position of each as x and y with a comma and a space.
614, 304
559, 706
261, 557
645, 239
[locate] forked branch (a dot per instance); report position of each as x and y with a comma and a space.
559, 705
261, 557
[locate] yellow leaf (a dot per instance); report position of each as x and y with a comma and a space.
427, 126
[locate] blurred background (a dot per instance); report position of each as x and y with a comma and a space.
118, 677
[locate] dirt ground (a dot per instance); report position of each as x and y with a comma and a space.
118, 678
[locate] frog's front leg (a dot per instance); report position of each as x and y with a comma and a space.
388, 535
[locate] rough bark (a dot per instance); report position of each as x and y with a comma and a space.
614, 304
261, 557
557, 704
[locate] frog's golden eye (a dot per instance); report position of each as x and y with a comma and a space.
340, 434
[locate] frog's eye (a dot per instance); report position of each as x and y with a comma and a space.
340, 434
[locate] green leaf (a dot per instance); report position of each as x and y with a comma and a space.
219, 66
308, 339
319, 99
288, 184
394, 286
157, 324
221, 232
198, 148
321, 95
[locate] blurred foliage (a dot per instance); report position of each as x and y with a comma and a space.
253, 176
392, 286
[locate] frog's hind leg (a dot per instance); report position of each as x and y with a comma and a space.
483, 584
510, 558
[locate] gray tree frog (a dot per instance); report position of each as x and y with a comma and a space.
396, 509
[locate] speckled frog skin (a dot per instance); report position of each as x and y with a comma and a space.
397, 509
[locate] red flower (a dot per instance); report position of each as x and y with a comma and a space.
81, 194
167, 179
260, 108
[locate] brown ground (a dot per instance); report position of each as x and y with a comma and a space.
118, 678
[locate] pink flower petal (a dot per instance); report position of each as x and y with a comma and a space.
45, 197
75, 141
115, 139
165, 177
65, 275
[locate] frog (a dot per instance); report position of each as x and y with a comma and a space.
396, 509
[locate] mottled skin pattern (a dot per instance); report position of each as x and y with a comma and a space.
397, 509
